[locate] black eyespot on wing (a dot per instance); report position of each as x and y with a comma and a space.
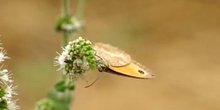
140, 71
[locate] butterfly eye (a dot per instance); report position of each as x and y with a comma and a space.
140, 71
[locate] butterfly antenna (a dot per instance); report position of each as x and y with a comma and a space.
93, 81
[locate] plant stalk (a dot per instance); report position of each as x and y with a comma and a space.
65, 8
65, 14
80, 9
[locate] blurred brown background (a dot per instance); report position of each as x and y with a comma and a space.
177, 39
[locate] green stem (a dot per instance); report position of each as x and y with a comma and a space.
65, 14
65, 38
65, 8
80, 9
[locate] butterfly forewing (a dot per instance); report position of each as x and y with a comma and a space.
113, 55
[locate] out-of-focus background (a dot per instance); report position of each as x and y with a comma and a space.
179, 40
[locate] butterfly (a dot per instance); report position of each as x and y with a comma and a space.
114, 60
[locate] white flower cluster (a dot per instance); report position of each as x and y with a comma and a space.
7, 92
71, 26
77, 58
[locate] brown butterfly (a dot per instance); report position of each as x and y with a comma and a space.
119, 62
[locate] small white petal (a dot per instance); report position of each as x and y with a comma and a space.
68, 27
85, 66
12, 105
2, 56
68, 46
5, 76
78, 62
80, 38
88, 42
5, 70
77, 24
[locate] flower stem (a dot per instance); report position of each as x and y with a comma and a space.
80, 9
65, 8
60, 97
65, 38
65, 14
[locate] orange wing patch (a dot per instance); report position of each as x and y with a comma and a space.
132, 69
